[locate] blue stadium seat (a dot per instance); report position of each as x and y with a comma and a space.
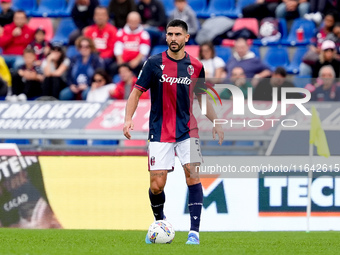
168, 6
199, 6
309, 29
66, 26
158, 49
301, 81
104, 2
50, 8
67, 11
276, 56
293, 68
116, 78
223, 52
71, 51
256, 50
222, 8
27, 5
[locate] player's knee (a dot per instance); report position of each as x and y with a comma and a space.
156, 188
192, 181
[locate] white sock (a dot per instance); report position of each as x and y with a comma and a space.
196, 233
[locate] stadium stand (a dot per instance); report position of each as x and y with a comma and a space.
104, 2
293, 67
50, 8
28, 5
199, 6
45, 23
309, 31
276, 56
66, 26
168, 6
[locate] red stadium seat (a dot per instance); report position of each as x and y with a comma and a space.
248, 23
193, 50
45, 23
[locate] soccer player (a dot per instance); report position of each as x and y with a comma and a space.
173, 77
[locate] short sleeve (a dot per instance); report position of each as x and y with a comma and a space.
218, 62
144, 77
200, 85
66, 62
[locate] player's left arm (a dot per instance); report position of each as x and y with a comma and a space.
211, 115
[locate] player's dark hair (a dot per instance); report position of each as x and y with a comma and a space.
281, 71
177, 23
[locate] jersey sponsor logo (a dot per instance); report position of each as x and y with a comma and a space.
162, 67
178, 80
190, 69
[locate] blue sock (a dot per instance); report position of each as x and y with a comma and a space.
195, 206
157, 204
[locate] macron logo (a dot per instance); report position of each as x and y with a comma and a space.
162, 67
178, 80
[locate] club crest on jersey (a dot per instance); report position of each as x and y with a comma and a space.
162, 67
190, 69
152, 160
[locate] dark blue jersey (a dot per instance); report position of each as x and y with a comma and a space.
172, 84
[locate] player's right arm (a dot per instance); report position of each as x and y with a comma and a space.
130, 109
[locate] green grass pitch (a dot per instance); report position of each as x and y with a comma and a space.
63, 242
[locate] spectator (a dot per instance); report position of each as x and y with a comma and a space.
40, 46
119, 10
318, 8
5, 78
184, 12
101, 85
81, 70
290, 9
133, 44
153, 18
238, 78
82, 15
214, 66
15, 38
260, 9
328, 89
54, 68
264, 90
312, 56
253, 67
27, 81
103, 34
6, 14
125, 86
327, 57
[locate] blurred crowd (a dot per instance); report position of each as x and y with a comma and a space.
112, 42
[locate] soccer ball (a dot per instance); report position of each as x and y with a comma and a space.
161, 231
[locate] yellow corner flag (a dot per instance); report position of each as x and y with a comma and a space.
317, 135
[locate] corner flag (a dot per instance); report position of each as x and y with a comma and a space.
317, 135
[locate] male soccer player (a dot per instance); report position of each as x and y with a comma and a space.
173, 77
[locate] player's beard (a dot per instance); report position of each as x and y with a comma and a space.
180, 46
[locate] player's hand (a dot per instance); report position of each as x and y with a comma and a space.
219, 131
127, 126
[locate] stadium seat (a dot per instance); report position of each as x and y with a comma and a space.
66, 26
67, 11
293, 68
168, 6
17, 141
192, 50
256, 50
71, 51
76, 142
222, 8
116, 78
199, 6
105, 142
27, 5
50, 8
249, 23
45, 23
309, 32
301, 81
104, 2
223, 52
158, 49
276, 56
240, 4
